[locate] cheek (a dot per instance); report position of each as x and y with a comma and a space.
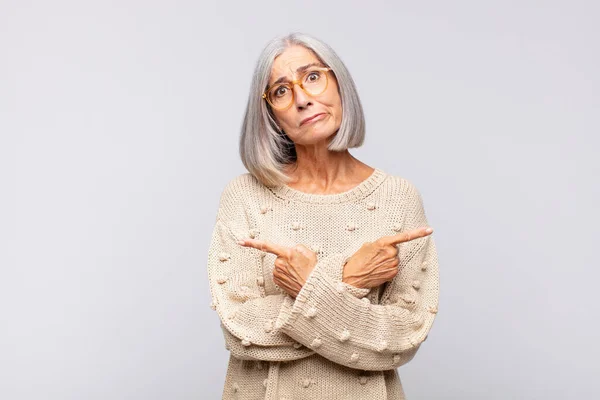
282, 118
335, 102
337, 108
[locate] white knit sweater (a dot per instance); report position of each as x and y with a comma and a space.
334, 341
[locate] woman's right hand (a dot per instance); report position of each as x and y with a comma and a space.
377, 262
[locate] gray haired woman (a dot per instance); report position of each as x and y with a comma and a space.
322, 269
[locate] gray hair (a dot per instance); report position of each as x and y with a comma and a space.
264, 148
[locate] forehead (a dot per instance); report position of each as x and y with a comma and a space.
285, 64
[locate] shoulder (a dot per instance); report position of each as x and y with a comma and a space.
239, 197
402, 199
401, 187
245, 184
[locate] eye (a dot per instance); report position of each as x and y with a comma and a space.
280, 91
313, 76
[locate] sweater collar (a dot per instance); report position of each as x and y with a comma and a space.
358, 192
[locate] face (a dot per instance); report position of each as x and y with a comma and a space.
328, 103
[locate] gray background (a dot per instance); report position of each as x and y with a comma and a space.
119, 126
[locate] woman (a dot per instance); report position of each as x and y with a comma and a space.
322, 269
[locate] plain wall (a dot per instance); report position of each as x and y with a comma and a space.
119, 126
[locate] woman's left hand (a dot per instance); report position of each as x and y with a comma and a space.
292, 265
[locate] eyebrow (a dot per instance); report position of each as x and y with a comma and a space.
299, 70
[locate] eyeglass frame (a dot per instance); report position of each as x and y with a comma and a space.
290, 85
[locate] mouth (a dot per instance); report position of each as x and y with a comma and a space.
310, 119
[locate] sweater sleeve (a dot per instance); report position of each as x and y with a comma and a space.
355, 333
235, 281
264, 353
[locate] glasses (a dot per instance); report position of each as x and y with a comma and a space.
313, 82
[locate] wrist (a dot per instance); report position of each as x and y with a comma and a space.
350, 280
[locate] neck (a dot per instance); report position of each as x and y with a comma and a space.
321, 168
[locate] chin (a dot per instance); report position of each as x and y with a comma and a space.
321, 136
314, 136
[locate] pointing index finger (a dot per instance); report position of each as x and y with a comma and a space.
264, 245
408, 236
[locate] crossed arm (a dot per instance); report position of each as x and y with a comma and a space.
327, 316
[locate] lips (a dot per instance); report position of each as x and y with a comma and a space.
310, 118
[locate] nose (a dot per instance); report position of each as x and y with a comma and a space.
301, 99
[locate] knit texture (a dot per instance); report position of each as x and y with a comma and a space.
333, 341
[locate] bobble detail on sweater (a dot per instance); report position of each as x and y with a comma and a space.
213, 306
264, 209
396, 358
278, 324
432, 309
236, 387
260, 281
366, 302
253, 233
316, 343
362, 379
297, 345
419, 323
345, 335
370, 206
223, 256
246, 342
382, 346
416, 284
408, 298
269, 326
311, 312
397, 227
424, 266
288, 301
295, 226
350, 226
221, 280
306, 382
232, 314
354, 357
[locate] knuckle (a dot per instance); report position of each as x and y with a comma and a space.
391, 251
